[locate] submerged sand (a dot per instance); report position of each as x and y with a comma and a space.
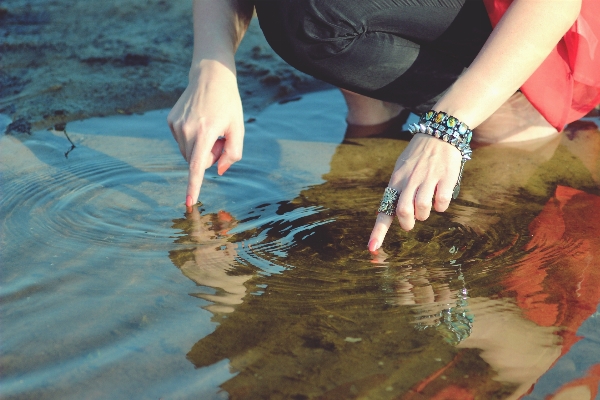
64, 60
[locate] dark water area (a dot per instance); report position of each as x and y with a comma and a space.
109, 289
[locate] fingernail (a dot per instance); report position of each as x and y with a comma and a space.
373, 245
188, 201
223, 167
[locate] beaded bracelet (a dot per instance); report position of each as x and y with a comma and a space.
446, 128
449, 129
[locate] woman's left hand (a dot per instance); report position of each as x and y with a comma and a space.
427, 168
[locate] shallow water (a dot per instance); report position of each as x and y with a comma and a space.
109, 290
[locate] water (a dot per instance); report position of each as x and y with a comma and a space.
109, 290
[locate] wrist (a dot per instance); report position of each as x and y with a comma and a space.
446, 128
212, 69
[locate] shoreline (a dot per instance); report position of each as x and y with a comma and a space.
63, 61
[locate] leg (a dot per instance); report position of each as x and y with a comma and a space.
516, 121
364, 110
406, 52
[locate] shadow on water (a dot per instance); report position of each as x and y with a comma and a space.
477, 302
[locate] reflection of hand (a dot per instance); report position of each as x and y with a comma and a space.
434, 303
209, 110
416, 288
213, 258
203, 227
427, 167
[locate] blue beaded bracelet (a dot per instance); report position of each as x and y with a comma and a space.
449, 129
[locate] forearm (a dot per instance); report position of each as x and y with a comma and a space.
219, 26
523, 38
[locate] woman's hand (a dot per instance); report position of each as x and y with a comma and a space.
428, 167
208, 124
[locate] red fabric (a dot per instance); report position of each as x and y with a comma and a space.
567, 84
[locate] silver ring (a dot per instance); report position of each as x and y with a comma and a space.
389, 201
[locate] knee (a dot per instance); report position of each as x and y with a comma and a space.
326, 28
309, 28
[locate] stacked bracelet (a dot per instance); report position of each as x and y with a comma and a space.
449, 129
446, 128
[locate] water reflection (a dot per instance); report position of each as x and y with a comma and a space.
209, 262
478, 302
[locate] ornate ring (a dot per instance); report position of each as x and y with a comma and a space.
389, 201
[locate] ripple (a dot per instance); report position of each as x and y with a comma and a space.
93, 201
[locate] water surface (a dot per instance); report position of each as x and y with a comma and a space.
266, 290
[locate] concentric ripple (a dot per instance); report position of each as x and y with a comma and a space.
97, 201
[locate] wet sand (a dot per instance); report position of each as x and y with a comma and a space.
68, 60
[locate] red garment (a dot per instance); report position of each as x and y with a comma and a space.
567, 84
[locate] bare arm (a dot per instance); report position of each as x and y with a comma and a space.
219, 27
207, 120
521, 41
523, 38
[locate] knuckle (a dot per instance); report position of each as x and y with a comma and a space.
195, 166
443, 198
170, 119
187, 128
403, 212
423, 205
176, 127
234, 156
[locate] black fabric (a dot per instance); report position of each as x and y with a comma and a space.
405, 51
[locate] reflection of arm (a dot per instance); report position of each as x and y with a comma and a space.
523, 38
517, 349
218, 30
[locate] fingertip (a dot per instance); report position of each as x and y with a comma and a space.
407, 224
374, 245
223, 166
441, 207
192, 195
195, 178
382, 224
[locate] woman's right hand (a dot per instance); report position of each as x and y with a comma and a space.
208, 123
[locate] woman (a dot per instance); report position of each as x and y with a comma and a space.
420, 54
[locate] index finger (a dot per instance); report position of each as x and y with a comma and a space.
382, 225
195, 176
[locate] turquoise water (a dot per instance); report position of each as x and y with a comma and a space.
266, 290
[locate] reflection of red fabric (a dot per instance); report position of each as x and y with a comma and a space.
567, 84
558, 282
454, 392
563, 267
591, 380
